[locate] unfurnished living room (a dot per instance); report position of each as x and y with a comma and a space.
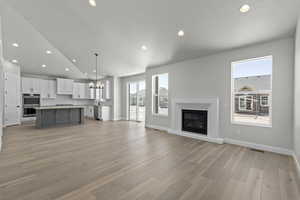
135, 99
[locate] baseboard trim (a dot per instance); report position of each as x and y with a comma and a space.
161, 128
117, 119
297, 163
260, 147
196, 136
1, 135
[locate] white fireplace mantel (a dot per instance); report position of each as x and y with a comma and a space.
209, 104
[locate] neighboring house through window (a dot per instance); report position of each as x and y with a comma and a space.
252, 91
264, 101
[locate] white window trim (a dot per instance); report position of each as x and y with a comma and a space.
233, 96
261, 100
157, 95
107, 89
246, 97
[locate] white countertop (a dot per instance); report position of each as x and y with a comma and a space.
58, 107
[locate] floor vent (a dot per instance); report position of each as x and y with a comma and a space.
257, 150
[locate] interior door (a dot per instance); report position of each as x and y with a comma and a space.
12, 99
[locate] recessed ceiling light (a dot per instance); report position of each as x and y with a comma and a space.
180, 33
94, 71
85, 73
15, 44
14, 61
93, 3
44, 65
48, 52
67, 69
245, 8
144, 48
74, 60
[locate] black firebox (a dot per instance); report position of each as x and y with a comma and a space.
194, 121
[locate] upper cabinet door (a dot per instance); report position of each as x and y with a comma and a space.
26, 85
44, 89
52, 89
76, 94
82, 91
69, 86
48, 89
36, 85
30, 85
79, 91
64, 86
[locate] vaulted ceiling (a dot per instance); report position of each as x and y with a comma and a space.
73, 29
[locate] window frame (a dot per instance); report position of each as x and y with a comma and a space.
155, 94
107, 90
261, 101
246, 98
232, 96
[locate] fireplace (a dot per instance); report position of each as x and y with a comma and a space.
194, 121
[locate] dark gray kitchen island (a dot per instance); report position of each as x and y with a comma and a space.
50, 116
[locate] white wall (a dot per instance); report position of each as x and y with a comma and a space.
116, 85
1, 85
297, 94
210, 76
124, 92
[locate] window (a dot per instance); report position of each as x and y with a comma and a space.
246, 103
107, 89
264, 101
252, 91
160, 93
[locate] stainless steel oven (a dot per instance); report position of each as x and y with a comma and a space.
30, 101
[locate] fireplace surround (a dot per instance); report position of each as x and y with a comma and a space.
211, 105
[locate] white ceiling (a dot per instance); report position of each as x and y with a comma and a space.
118, 29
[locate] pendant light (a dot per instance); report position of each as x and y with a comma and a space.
98, 85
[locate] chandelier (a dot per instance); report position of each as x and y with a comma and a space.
98, 84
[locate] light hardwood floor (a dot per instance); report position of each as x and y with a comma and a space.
123, 160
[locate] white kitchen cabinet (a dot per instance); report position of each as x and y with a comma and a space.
79, 91
65, 86
30, 85
48, 89
52, 89
105, 113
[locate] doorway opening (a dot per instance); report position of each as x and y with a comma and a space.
136, 101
